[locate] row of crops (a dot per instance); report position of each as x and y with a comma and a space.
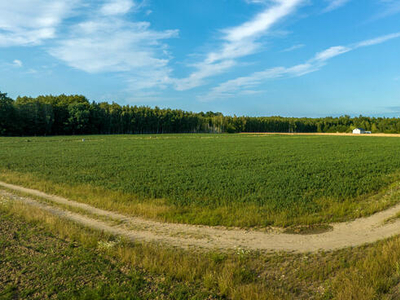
273, 172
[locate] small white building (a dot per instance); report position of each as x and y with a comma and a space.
360, 131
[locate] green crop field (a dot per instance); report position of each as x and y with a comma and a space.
234, 180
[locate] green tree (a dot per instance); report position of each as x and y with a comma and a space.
7, 115
79, 116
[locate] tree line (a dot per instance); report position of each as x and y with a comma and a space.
75, 114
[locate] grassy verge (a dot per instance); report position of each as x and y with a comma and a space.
37, 264
44, 256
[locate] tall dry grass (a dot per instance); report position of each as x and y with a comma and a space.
368, 272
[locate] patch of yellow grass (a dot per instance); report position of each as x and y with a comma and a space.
193, 267
369, 272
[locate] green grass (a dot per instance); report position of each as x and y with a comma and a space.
234, 180
43, 256
36, 264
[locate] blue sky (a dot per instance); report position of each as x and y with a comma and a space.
244, 57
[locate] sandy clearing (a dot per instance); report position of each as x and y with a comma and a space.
348, 234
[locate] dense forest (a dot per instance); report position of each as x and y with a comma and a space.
66, 115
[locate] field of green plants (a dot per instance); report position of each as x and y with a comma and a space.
239, 180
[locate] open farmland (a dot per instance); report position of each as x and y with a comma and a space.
233, 180
286, 180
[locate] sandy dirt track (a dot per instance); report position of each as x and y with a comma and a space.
342, 235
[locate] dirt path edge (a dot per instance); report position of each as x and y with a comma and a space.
342, 235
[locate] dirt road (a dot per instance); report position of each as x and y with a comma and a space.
342, 235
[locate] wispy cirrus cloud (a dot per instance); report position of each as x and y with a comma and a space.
376, 41
387, 8
335, 4
108, 42
331, 52
294, 47
238, 42
232, 87
117, 7
256, 1
17, 63
30, 22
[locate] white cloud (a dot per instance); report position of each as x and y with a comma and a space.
117, 7
17, 63
378, 40
204, 71
256, 1
238, 42
112, 44
30, 22
293, 48
262, 22
335, 4
232, 87
331, 52
389, 8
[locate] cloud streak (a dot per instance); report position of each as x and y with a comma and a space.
17, 63
238, 42
335, 4
117, 7
293, 48
390, 8
30, 22
106, 42
232, 87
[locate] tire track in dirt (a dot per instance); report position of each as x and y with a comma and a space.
342, 235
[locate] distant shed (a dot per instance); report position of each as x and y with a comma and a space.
360, 131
